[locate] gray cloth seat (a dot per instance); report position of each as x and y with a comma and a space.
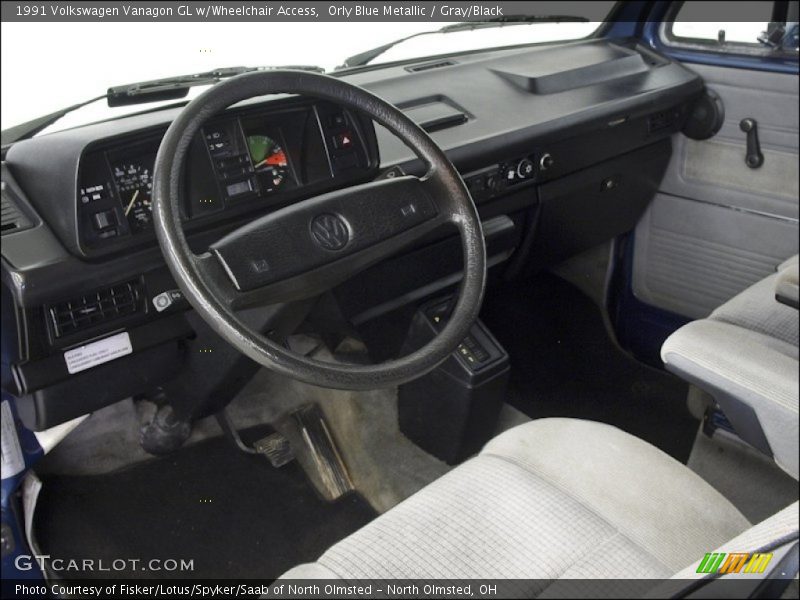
745, 354
548, 500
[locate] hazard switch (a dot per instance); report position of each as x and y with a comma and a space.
343, 141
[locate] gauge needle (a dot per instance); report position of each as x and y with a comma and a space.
130, 204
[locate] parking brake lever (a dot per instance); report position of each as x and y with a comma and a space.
753, 158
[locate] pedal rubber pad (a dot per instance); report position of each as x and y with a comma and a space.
276, 448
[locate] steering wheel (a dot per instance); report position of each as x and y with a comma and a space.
309, 247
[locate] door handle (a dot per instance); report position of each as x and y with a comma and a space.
753, 158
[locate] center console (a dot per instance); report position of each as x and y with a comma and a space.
452, 411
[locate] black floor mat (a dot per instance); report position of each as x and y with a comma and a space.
563, 364
233, 514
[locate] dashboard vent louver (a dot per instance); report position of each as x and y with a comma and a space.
429, 66
13, 219
98, 307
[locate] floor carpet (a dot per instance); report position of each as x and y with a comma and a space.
232, 514
564, 364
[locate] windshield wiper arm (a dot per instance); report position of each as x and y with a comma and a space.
156, 90
512, 20
363, 58
178, 87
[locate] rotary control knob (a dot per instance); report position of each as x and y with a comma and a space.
546, 161
525, 168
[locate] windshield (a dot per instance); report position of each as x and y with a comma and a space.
81, 60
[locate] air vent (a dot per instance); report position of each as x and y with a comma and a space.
95, 308
13, 219
429, 66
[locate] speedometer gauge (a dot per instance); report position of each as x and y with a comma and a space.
269, 160
135, 184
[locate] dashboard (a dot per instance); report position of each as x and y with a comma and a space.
252, 161
561, 146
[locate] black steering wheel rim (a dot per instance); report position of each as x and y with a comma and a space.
204, 294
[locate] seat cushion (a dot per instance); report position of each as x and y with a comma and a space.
745, 354
742, 367
550, 499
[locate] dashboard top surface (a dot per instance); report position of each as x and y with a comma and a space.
479, 108
490, 87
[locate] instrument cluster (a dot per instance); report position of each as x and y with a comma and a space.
248, 159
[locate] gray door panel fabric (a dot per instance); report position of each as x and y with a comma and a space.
720, 163
691, 256
538, 503
746, 356
717, 226
769, 98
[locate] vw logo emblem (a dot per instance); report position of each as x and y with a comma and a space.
330, 232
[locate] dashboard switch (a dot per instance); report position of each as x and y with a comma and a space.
525, 168
164, 300
104, 219
343, 141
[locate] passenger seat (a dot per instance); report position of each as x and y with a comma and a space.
745, 355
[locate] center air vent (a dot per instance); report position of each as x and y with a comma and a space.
429, 66
13, 219
95, 308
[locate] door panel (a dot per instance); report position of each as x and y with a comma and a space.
716, 226
691, 256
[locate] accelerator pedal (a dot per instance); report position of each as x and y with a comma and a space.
331, 469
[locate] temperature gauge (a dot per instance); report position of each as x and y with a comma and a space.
269, 160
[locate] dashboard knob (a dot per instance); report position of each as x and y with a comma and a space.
546, 161
525, 168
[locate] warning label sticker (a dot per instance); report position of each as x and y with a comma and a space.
88, 356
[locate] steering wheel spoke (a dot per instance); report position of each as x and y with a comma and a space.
308, 247
213, 274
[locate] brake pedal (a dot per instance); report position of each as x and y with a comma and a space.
275, 446
332, 471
